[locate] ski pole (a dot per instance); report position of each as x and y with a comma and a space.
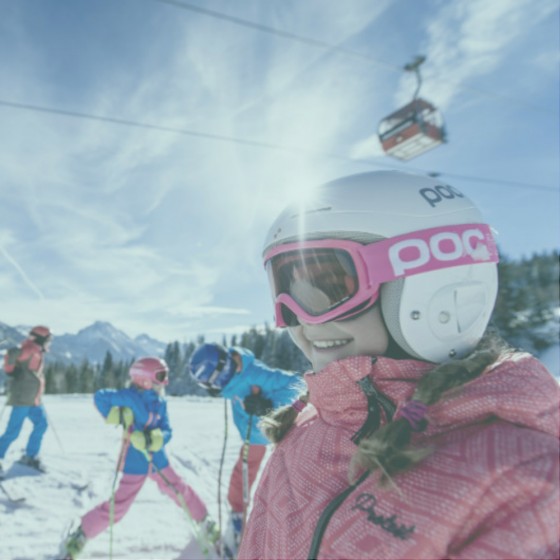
49, 422
220, 470
245, 458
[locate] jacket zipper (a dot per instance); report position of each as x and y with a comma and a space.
376, 402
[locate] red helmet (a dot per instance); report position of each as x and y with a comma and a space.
40, 334
147, 372
40, 330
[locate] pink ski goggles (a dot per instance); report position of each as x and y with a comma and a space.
332, 279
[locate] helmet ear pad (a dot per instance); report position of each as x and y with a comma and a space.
442, 314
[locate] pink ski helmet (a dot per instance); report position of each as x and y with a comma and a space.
147, 372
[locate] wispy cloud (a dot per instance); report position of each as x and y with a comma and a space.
23, 275
468, 39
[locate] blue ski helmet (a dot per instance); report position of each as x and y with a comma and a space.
212, 366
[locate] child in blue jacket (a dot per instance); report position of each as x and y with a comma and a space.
142, 410
253, 389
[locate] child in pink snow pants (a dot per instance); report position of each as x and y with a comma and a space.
97, 520
142, 411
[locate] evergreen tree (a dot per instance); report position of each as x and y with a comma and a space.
50, 387
108, 379
86, 377
71, 379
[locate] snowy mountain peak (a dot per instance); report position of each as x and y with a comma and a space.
91, 343
101, 328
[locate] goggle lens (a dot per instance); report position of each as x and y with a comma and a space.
318, 280
161, 376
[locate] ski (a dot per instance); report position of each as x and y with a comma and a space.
36, 467
78, 486
13, 499
6, 476
72, 543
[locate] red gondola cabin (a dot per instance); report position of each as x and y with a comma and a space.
412, 130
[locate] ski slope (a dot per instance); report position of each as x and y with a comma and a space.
86, 450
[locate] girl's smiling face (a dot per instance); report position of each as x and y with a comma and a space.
362, 335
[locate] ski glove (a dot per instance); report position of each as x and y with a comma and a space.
148, 440
120, 415
257, 405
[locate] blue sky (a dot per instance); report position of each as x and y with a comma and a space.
159, 230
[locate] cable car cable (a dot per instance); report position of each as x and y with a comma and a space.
256, 143
278, 32
335, 48
161, 128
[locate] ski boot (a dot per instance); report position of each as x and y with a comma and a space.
73, 545
32, 462
232, 535
210, 534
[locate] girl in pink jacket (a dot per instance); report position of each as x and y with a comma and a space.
421, 435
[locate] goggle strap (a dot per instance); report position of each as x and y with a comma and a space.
222, 360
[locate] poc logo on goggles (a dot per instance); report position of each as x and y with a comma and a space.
436, 248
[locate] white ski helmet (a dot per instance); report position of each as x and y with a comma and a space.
431, 261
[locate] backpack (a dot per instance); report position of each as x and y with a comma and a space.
11, 359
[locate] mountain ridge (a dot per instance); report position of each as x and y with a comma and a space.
90, 343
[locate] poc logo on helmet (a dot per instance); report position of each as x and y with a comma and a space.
423, 255
438, 193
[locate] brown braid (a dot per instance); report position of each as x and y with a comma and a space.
279, 422
388, 448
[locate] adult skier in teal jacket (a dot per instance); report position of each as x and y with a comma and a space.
260, 383
253, 389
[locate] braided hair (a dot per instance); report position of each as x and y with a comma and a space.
388, 449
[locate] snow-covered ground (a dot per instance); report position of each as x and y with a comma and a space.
154, 527
86, 450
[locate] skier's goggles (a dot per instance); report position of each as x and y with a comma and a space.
216, 376
333, 279
161, 376
222, 374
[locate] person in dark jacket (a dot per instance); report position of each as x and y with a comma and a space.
254, 389
24, 367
